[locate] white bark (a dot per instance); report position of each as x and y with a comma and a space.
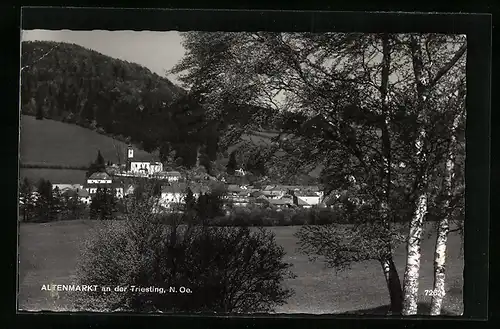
442, 235
413, 257
439, 267
412, 271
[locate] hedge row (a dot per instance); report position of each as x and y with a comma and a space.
272, 217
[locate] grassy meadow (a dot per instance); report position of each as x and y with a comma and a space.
54, 142
49, 254
55, 176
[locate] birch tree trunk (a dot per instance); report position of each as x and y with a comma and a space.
423, 86
443, 229
412, 270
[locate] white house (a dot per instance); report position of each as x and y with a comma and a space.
68, 187
99, 178
84, 196
169, 176
273, 194
103, 180
155, 167
176, 193
309, 198
240, 172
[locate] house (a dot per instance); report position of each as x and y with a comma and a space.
67, 187
175, 193
128, 189
84, 196
281, 203
273, 194
309, 198
103, 180
262, 200
240, 172
239, 199
301, 203
170, 176
99, 178
257, 194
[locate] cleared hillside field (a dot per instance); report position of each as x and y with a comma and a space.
49, 254
53, 142
55, 176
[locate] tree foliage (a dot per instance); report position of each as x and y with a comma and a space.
26, 199
45, 201
103, 204
232, 165
350, 103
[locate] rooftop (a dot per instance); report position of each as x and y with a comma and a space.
281, 202
301, 202
83, 193
63, 187
172, 173
307, 195
100, 175
182, 187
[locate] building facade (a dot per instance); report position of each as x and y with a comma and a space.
142, 166
104, 181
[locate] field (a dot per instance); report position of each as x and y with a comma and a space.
55, 176
54, 142
49, 252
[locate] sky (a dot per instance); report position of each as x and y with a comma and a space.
158, 51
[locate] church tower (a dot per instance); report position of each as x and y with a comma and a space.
130, 156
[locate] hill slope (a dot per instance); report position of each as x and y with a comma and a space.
51, 142
69, 83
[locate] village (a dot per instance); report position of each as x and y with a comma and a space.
122, 180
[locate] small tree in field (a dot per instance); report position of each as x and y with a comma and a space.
226, 269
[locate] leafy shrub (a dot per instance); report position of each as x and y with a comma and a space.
227, 269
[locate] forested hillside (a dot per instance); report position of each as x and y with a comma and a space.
69, 83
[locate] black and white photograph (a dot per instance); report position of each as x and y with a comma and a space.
242, 172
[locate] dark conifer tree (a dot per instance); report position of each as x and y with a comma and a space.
44, 201
103, 204
26, 196
100, 159
157, 189
231, 165
189, 201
